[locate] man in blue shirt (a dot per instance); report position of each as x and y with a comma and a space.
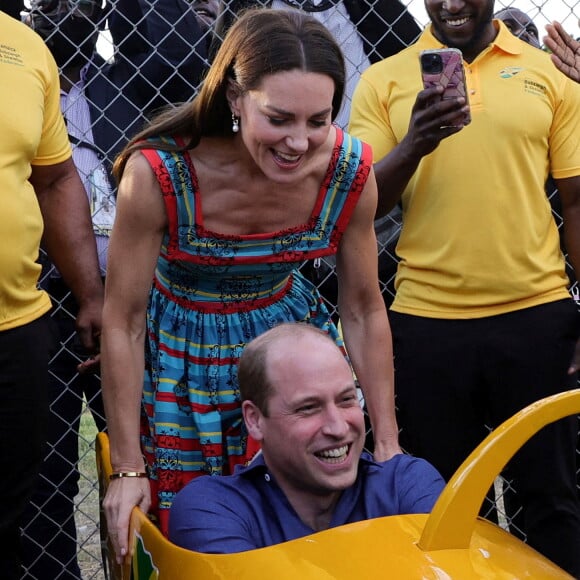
300, 404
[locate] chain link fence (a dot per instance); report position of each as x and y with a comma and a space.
146, 36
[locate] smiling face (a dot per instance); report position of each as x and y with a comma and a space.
463, 24
313, 434
285, 121
206, 12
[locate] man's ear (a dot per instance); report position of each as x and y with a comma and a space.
253, 418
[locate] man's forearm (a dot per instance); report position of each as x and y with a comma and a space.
69, 238
572, 237
393, 173
569, 191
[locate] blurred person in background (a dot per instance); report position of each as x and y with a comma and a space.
520, 25
206, 12
159, 57
41, 197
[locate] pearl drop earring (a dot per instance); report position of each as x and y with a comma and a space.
235, 124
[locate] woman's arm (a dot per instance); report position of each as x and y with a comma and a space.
133, 251
365, 324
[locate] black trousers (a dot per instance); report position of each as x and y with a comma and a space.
454, 377
24, 356
49, 535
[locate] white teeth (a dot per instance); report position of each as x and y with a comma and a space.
287, 157
334, 453
457, 22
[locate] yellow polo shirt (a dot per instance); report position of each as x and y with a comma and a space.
32, 132
478, 236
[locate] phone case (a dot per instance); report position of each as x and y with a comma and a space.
451, 76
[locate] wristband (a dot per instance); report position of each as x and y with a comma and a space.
120, 474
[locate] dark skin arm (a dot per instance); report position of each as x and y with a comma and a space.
569, 190
394, 171
70, 242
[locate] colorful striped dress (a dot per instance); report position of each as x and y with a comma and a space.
211, 295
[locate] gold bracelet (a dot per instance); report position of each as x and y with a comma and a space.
119, 474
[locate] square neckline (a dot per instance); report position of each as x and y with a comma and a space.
207, 233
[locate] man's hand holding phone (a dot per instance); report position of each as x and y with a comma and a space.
432, 120
441, 108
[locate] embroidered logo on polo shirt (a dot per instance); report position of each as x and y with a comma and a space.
534, 87
510, 71
530, 86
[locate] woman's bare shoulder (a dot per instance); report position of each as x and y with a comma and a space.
139, 193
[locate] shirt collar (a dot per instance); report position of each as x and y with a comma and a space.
257, 473
256, 466
504, 41
80, 84
84, 72
507, 41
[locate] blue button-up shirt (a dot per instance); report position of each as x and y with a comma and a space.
248, 510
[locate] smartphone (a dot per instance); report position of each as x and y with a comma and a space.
444, 67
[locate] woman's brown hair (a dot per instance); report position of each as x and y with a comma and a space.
262, 42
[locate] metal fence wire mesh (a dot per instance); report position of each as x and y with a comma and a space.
155, 48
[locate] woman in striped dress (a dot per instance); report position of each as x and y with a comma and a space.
220, 201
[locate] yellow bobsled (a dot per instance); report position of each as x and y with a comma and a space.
452, 543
